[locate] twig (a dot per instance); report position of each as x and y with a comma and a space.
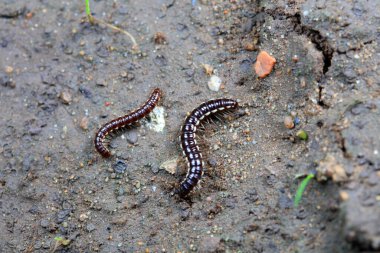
94, 20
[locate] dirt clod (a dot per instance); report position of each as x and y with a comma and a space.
160, 38
330, 168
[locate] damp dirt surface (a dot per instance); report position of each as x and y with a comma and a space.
61, 78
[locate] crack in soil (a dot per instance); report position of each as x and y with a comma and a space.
317, 38
320, 41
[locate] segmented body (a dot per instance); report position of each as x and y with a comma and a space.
125, 121
189, 144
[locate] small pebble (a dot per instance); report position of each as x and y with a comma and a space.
120, 167
303, 82
343, 195
83, 217
250, 47
65, 97
84, 123
90, 227
132, 137
214, 83
155, 168
264, 64
288, 122
8, 69
209, 70
44, 223
170, 166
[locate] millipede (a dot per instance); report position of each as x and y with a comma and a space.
125, 121
188, 142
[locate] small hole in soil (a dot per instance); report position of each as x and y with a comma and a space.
320, 123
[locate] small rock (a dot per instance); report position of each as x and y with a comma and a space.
6, 81
101, 82
252, 227
66, 97
124, 74
160, 60
120, 167
44, 223
122, 220
343, 195
210, 244
83, 217
251, 196
301, 214
170, 166
62, 215
8, 69
35, 130
90, 227
303, 82
214, 83
264, 64
132, 137
212, 162
155, 168
250, 46
157, 119
288, 122
102, 51
84, 123
209, 70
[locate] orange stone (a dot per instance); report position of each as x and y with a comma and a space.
264, 64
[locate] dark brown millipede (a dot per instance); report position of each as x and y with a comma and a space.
189, 144
125, 121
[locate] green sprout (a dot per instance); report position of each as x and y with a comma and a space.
62, 240
93, 21
88, 12
301, 189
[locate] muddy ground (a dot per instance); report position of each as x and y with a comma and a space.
61, 78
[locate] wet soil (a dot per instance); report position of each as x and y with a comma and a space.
61, 78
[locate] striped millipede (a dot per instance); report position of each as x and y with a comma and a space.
189, 145
125, 121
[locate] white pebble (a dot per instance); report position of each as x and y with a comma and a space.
214, 83
157, 122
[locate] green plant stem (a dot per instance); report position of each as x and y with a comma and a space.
88, 12
301, 189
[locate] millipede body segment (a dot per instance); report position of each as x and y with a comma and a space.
125, 121
189, 144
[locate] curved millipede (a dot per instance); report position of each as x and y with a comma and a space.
189, 145
125, 121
